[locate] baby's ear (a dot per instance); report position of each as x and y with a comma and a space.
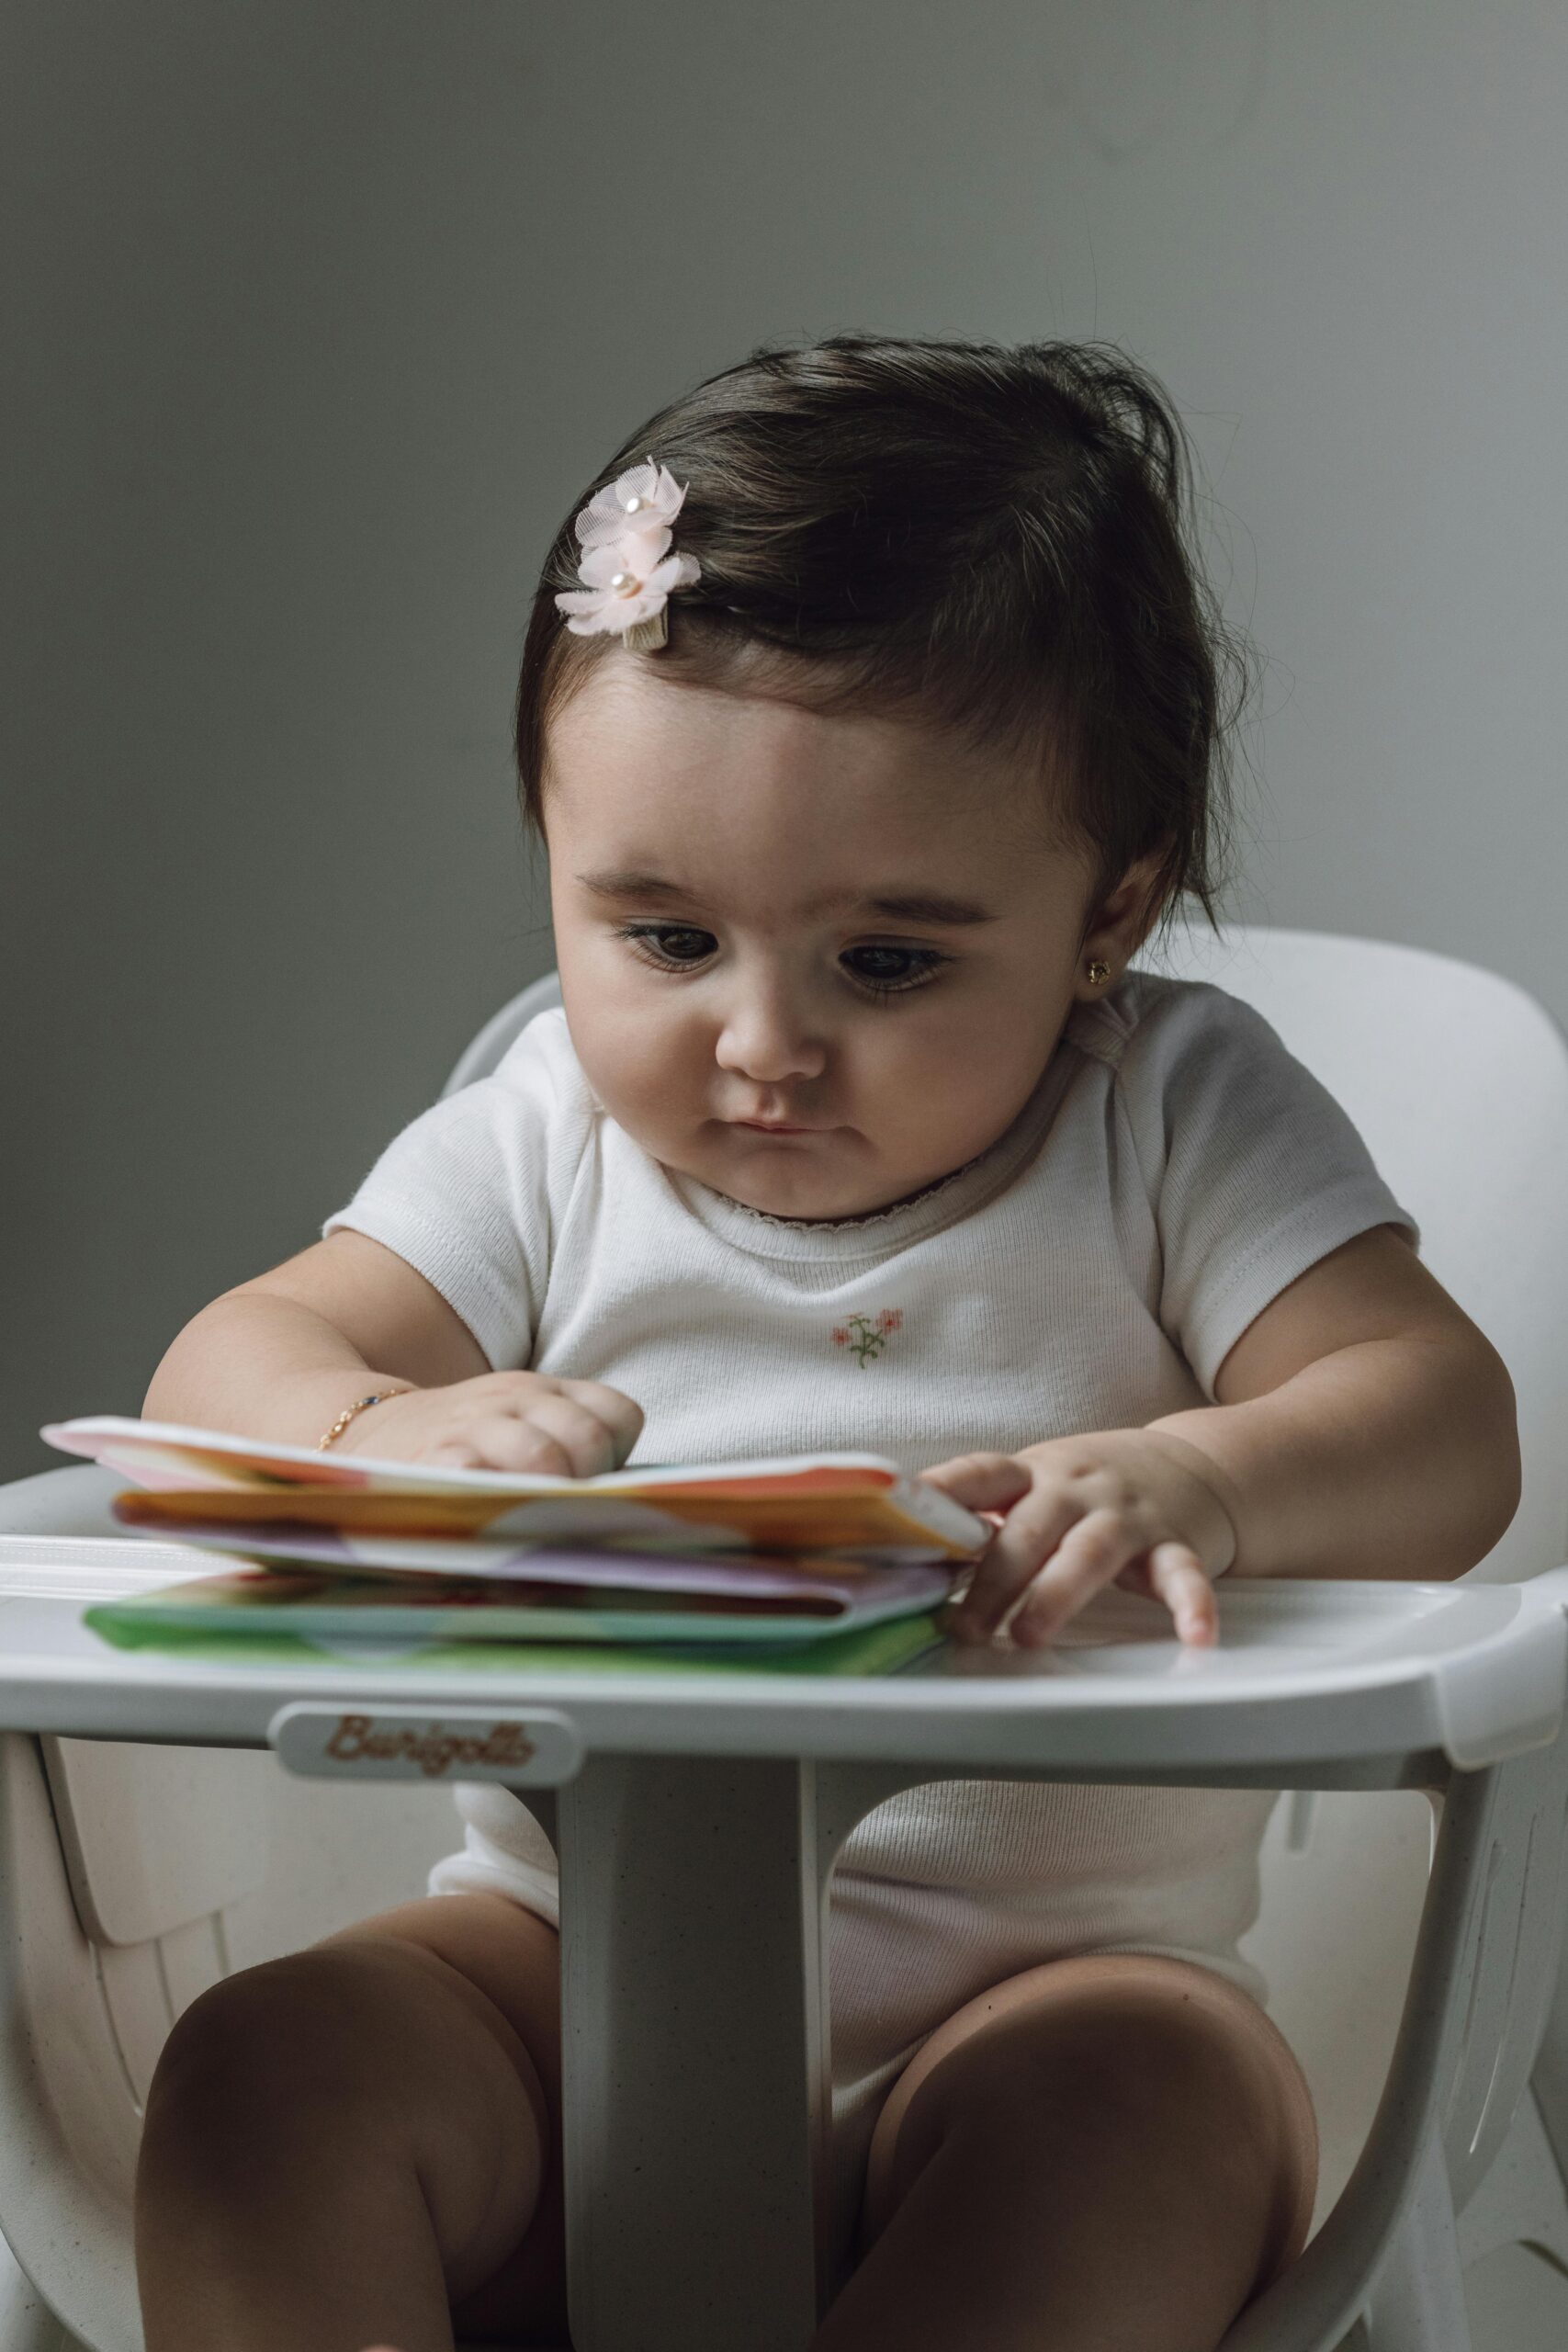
1129, 911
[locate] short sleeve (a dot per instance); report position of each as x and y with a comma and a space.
1253, 1169
469, 1194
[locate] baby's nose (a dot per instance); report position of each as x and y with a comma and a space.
766, 1040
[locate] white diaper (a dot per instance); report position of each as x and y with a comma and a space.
950, 1888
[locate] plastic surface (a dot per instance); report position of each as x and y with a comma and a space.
131, 1881
62, 1502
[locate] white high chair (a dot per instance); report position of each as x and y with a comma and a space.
133, 1876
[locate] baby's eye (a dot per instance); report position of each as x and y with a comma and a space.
671, 944
886, 971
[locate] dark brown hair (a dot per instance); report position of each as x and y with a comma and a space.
996, 536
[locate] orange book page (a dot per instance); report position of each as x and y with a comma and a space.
780, 1523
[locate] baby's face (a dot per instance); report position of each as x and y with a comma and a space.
815, 962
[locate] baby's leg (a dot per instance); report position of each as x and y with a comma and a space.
342, 2145
1106, 2151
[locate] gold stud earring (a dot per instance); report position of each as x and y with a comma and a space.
1099, 972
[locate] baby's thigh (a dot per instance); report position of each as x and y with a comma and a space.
1114, 2059
507, 1960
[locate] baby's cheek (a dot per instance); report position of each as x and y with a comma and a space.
946, 1110
657, 1115
650, 1080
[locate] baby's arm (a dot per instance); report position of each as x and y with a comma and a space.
281, 1357
1363, 1428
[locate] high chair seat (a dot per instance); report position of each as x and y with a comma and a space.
1459, 1688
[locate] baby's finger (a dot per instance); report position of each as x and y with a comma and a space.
1178, 1577
1088, 1556
621, 1415
502, 1441
981, 1481
1029, 1535
587, 1444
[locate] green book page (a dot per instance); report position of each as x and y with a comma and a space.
871, 1649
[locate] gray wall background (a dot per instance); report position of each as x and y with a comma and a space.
318, 317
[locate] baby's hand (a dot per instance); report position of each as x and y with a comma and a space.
1128, 1506
503, 1420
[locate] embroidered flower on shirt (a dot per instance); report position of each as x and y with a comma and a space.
866, 1339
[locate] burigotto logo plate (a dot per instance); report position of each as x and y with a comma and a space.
533, 1746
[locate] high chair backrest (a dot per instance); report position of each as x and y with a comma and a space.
1458, 1083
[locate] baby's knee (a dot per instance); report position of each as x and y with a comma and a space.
1113, 2052
262, 2052
1114, 2069
367, 2067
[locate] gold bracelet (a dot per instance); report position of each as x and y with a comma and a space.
347, 1414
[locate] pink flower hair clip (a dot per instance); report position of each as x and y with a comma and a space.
627, 569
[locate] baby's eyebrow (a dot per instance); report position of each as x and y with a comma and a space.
633, 882
900, 906
906, 906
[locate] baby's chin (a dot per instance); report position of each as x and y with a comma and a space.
816, 1179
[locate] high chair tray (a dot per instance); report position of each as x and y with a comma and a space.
1315, 1673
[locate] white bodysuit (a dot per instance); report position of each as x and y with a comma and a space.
1174, 1169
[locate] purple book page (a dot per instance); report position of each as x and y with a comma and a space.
755, 1573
